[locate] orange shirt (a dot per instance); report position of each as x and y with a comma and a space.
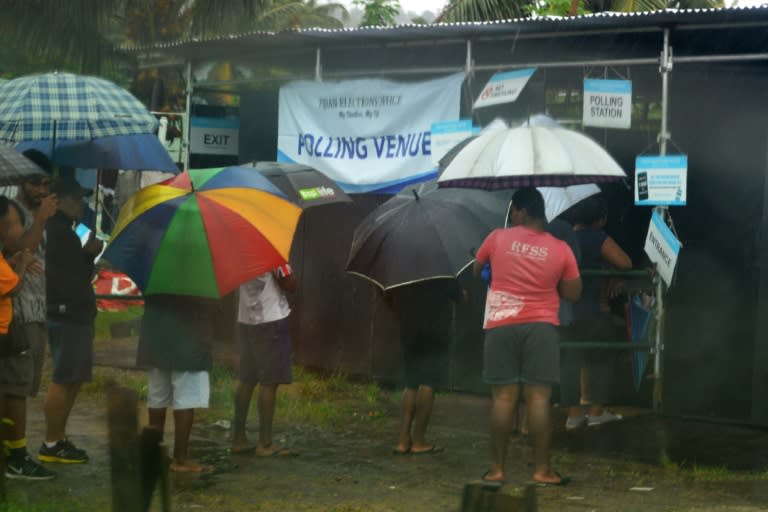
8, 281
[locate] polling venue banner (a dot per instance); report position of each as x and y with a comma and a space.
662, 247
368, 135
661, 180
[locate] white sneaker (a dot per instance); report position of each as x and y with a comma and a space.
606, 417
574, 423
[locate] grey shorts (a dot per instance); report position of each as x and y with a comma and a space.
522, 354
265, 353
37, 336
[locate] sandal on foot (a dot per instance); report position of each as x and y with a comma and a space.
564, 480
434, 449
490, 483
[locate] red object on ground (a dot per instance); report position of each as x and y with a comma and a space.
108, 282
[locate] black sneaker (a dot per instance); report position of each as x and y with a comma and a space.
25, 468
64, 452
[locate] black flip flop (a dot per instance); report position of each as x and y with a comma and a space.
490, 483
564, 480
434, 449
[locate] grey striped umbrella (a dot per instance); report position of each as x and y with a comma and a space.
15, 167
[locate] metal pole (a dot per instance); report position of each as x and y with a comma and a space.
318, 66
188, 116
665, 67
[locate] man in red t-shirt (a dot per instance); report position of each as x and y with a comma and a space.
530, 271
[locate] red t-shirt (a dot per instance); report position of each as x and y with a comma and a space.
526, 267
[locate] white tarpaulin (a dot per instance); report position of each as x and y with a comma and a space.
367, 135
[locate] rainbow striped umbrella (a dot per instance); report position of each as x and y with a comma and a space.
203, 232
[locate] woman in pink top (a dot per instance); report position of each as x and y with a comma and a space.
531, 270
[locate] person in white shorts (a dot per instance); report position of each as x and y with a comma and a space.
175, 346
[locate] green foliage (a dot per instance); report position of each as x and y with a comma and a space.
483, 10
378, 13
292, 14
553, 8
106, 318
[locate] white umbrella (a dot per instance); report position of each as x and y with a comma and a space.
540, 153
559, 199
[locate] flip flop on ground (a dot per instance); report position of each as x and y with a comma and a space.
434, 449
562, 482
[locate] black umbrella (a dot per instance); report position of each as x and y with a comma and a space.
303, 185
424, 233
15, 167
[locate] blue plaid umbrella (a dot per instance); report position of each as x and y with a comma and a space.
63, 106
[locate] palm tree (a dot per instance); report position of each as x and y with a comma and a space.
290, 14
486, 10
81, 35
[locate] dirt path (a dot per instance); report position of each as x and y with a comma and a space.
350, 468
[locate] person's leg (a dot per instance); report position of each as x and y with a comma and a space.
503, 415
407, 408
182, 426
15, 428
243, 394
266, 405
248, 377
157, 418
425, 399
191, 390
56, 410
537, 397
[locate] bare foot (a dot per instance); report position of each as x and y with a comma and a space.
189, 466
242, 447
491, 476
550, 478
274, 451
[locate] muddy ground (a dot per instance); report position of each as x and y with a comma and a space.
642, 464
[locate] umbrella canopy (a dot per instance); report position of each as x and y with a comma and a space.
63, 106
303, 185
559, 199
130, 152
540, 154
424, 233
14, 167
203, 232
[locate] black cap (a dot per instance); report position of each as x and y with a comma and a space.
69, 187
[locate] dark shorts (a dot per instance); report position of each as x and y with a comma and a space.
265, 353
72, 351
522, 354
426, 352
16, 374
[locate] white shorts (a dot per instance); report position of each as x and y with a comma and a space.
183, 390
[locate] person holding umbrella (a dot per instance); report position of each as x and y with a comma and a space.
424, 311
35, 206
531, 271
71, 305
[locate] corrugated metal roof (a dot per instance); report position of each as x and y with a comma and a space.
603, 20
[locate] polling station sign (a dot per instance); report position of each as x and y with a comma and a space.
368, 135
661, 180
214, 135
607, 103
504, 87
447, 134
662, 247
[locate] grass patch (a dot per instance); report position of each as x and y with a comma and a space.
104, 319
326, 401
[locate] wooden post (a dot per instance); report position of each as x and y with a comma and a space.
154, 468
122, 415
